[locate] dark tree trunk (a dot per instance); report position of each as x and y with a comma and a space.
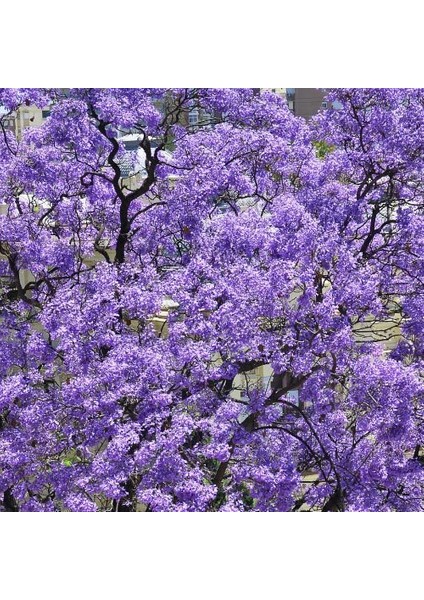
335, 503
9, 501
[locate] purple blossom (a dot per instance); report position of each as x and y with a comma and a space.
236, 327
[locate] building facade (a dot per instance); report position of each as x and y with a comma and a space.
306, 102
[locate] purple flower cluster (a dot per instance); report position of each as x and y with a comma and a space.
237, 327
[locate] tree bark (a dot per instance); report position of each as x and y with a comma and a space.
9, 501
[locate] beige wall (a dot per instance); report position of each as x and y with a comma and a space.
28, 116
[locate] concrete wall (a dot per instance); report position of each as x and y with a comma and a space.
308, 101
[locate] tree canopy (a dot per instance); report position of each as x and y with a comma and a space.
227, 318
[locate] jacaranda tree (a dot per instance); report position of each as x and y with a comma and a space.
142, 290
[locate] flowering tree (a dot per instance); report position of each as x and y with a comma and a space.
137, 307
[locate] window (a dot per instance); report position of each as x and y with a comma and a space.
324, 104
193, 117
293, 397
45, 114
